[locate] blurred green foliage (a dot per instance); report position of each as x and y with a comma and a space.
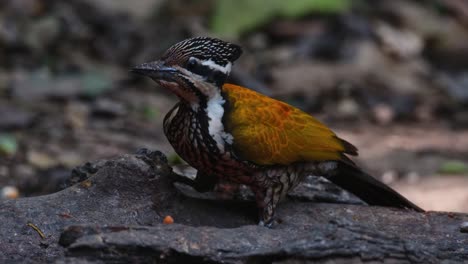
232, 18
150, 113
453, 167
8, 145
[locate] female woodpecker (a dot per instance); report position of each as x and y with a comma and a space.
231, 133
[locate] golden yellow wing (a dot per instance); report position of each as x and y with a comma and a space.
267, 131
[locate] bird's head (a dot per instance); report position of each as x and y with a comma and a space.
194, 69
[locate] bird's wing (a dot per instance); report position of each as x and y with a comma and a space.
267, 131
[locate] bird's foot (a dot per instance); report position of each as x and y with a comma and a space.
269, 224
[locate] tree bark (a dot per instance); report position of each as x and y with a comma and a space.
116, 214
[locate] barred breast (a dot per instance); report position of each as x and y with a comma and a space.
184, 128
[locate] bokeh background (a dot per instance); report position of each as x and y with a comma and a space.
389, 76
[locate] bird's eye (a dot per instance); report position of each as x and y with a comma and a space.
191, 64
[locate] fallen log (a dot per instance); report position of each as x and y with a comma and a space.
115, 214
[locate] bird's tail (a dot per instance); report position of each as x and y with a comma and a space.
369, 189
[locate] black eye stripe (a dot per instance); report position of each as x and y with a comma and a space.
211, 75
217, 78
203, 70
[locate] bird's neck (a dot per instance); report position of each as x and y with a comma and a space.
215, 111
210, 113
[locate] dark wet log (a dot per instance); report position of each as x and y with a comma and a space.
116, 215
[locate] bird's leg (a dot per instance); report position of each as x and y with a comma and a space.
272, 186
267, 200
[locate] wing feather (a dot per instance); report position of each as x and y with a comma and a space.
267, 131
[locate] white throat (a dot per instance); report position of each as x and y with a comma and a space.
215, 112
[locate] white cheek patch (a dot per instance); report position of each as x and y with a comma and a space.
224, 69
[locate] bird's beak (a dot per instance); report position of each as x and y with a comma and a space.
156, 70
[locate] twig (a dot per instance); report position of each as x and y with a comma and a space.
33, 226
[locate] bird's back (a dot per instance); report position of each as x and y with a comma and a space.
269, 132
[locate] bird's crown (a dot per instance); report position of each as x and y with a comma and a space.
204, 52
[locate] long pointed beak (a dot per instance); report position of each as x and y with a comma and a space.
155, 70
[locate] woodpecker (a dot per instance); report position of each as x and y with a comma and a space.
233, 134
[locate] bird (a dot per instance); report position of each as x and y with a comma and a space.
233, 134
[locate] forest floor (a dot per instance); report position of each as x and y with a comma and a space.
387, 81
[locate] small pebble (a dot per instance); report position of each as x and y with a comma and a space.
464, 227
168, 220
9, 192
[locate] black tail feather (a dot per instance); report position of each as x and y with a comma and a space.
369, 189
